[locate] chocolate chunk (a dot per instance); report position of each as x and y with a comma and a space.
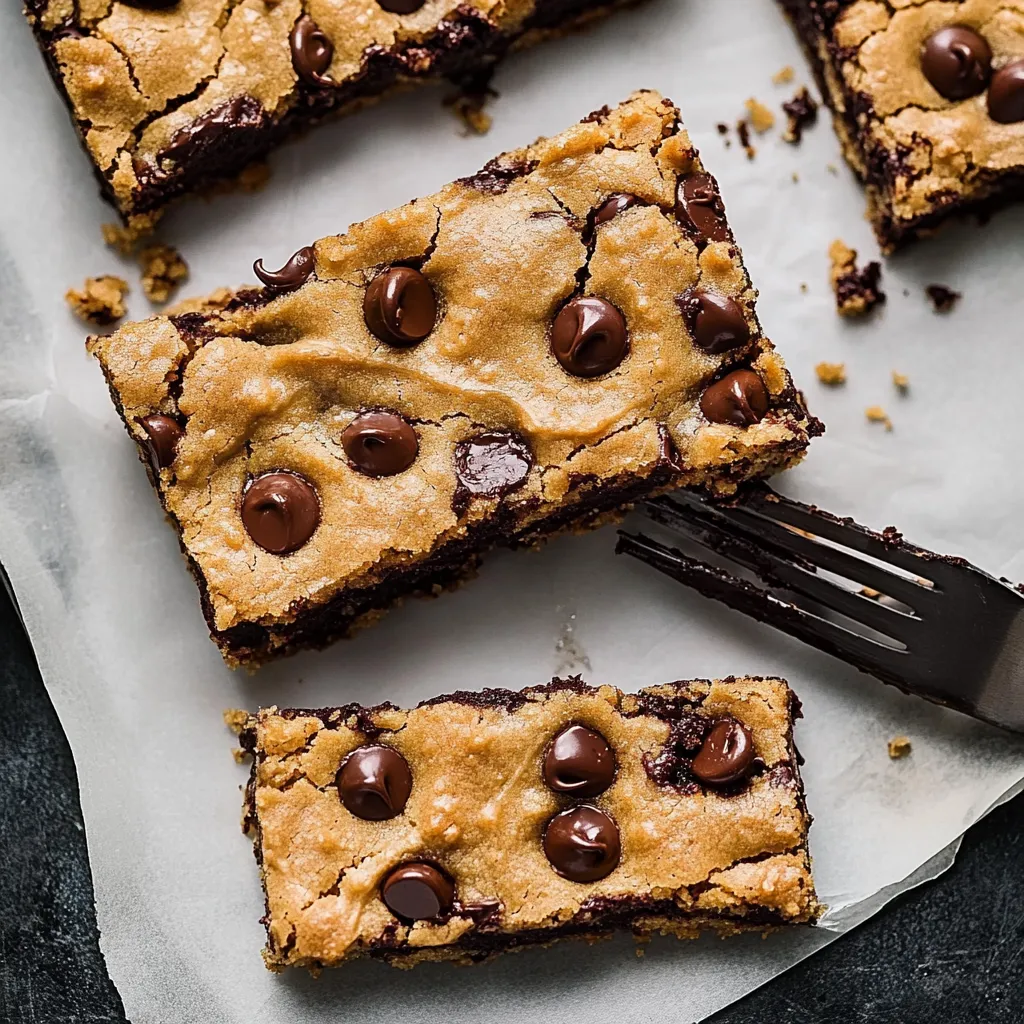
739, 398
716, 322
588, 337
614, 205
579, 761
312, 51
380, 443
400, 307
943, 298
957, 61
374, 783
280, 511
583, 844
801, 112
1006, 94
206, 132
726, 754
492, 464
700, 210
292, 275
418, 892
401, 6
164, 435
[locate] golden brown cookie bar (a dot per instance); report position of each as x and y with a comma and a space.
480, 822
172, 95
524, 352
927, 99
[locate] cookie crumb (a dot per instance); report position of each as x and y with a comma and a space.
832, 374
120, 239
856, 290
796, 177
899, 747
239, 755
877, 414
901, 382
832, 169
468, 102
870, 592
784, 75
235, 719
943, 298
163, 270
723, 128
99, 301
743, 131
801, 113
803, 286
761, 117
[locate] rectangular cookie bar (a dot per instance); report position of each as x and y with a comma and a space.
524, 352
927, 99
481, 822
171, 95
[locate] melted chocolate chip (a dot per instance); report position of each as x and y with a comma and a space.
583, 844
726, 754
1006, 94
613, 206
374, 783
401, 6
957, 61
292, 275
207, 131
579, 761
164, 433
380, 443
700, 210
280, 511
312, 51
716, 322
492, 464
418, 892
740, 398
588, 337
400, 307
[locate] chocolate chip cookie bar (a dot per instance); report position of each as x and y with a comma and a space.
927, 99
482, 822
525, 352
170, 96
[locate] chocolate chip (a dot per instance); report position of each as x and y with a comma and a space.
1006, 94
311, 51
492, 464
583, 844
418, 892
739, 398
164, 435
726, 754
401, 6
374, 783
292, 275
399, 306
206, 133
716, 322
280, 511
957, 61
700, 210
589, 336
579, 761
380, 443
614, 205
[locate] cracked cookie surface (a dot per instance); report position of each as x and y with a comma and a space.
478, 799
409, 455
922, 154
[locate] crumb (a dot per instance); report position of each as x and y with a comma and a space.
215, 300
801, 112
832, 374
899, 746
163, 270
239, 755
832, 169
100, 300
877, 414
120, 239
856, 290
467, 103
723, 128
743, 131
783, 76
943, 298
803, 286
761, 117
901, 382
906, 292
870, 592
796, 177
235, 719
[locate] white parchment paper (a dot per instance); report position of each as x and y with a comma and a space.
122, 645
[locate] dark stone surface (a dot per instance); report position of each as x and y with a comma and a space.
951, 951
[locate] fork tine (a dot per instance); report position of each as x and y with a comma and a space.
872, 656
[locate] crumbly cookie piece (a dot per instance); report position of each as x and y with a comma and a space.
876, 414
832, 374
943, 298
857, 290
163, 270
801, 112
761, 117
525, 352
927, 99
901, 382
899, 747
479, 822
99, 301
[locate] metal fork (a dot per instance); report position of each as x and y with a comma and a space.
932, 625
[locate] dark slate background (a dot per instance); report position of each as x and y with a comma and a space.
952, 951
